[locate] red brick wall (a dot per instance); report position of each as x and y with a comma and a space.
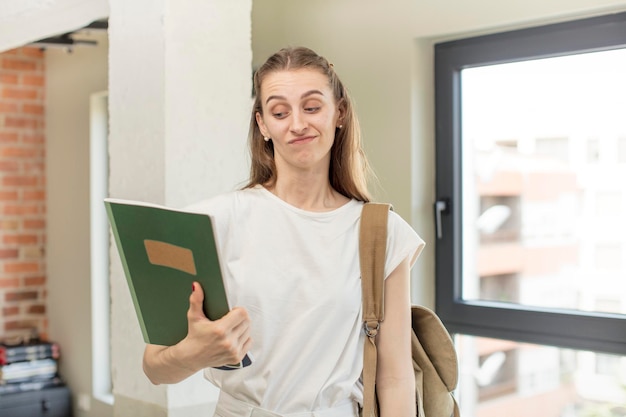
22, 193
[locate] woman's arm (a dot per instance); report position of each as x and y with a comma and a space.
395, 379
207, 344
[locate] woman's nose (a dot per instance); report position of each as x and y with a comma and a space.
298, 122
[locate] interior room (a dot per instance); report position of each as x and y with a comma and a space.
150, 101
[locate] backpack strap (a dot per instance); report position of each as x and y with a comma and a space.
372, 252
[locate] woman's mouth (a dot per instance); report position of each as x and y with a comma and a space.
301, 140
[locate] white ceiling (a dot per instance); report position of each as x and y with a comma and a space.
25, 21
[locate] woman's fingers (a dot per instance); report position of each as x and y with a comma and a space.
241, 331
235, 333
226, 340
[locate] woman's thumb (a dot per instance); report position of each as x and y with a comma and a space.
195, 301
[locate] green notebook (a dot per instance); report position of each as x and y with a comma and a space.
163, 251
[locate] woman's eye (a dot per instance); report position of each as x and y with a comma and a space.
311, 109
279, 115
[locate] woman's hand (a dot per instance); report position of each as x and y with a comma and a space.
207, 344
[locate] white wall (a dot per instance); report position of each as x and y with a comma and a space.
70, 81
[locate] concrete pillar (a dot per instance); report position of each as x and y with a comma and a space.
179, 102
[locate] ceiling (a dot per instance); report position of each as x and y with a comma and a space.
79, 37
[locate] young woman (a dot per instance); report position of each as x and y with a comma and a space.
289, 248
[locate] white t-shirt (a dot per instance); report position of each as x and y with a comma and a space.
297, 274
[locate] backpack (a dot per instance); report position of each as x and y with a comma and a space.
434, 357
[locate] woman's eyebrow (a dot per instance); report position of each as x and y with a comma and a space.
311, 92
304, 95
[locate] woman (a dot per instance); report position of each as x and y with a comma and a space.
288, 243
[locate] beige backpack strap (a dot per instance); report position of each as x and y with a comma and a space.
372, 251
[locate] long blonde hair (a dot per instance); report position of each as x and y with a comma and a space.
349, 169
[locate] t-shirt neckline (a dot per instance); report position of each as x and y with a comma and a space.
309, 213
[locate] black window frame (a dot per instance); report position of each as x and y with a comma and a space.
563, 328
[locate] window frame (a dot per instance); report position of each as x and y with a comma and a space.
563, 328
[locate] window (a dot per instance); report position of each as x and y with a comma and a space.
504, 377
100, 294
621, 150
593, 151
529, 276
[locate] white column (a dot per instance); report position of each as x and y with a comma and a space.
179, 102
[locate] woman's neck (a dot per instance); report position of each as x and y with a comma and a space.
311, 194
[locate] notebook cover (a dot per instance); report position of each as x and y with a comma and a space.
163, 251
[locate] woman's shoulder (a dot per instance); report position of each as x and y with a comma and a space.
404, 235
225, 202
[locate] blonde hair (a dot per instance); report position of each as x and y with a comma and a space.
349, 169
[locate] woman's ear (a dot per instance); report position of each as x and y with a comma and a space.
261, 125
341, 111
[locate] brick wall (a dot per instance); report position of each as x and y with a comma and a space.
22, 193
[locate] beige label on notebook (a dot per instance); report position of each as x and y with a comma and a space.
172, 256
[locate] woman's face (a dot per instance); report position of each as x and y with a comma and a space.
300, 116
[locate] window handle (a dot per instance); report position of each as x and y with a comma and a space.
442, 206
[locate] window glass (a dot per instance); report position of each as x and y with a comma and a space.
505, 378
621, 150
543, 195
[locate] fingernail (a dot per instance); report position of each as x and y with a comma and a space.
193, 287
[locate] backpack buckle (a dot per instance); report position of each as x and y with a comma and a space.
371, 330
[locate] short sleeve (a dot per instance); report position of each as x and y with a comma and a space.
402, 242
